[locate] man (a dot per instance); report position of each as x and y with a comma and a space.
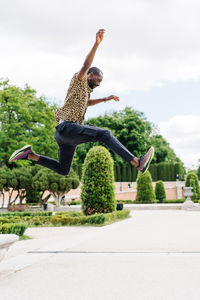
70, 132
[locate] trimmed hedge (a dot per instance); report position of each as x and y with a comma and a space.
26, 213
70, 213
65, 218
162, 171
95, 219
145, 192
98, 182
17, 228
192, 181
160, 191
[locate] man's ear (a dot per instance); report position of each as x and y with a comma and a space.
90, 75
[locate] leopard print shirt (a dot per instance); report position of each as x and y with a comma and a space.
76, 101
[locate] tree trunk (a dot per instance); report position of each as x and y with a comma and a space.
10, 196
46, 198
11, 202
56, 197
3, 196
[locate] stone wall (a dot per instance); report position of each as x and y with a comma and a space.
123, 192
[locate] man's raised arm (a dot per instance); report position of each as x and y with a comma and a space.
89, 59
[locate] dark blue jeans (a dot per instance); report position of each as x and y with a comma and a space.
69, 134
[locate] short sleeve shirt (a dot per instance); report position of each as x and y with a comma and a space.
76, 101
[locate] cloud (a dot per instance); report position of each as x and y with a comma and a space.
146, 44
182, 132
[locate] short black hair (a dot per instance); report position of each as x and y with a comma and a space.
95, 71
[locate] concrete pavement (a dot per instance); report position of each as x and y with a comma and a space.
152, 255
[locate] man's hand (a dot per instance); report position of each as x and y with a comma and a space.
99, 36
89, 59
112, 97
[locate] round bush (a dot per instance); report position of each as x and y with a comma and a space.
192, 180
145, 192
98, 182
160, 191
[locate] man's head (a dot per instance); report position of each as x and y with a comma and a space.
94, 77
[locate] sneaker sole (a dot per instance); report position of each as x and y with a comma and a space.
18, 152
148, 164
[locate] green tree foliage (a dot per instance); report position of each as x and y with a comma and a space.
56, 185
179, 169
32, 195
22, 179
119, 174
124, 173
162, 171
192, 180
129, 126
198, 172
132, 129
145, 192
160, 191
129, 174
25, 119
163, 151
98, 182
17, 183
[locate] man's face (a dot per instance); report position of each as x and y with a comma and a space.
94, 80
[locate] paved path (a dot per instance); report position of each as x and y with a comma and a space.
155, 255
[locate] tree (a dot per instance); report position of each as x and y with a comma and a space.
25, 119
98, 182
163, 151
192, 180
198, 172
145, 192
22, 182
160, 191
54, 184
3, 182
16, 180
133, 130
10, 185
129, 126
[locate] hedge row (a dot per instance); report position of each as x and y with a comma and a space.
66, 218
161, 171
91, 219
17, 228
31, 221
26, 213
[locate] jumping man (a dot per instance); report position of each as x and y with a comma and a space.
70, 132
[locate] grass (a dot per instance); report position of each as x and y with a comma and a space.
24, 237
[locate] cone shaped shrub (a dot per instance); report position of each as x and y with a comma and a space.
160, 191
98, 182
192, 180
145, 192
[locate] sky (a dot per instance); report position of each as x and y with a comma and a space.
150, 57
